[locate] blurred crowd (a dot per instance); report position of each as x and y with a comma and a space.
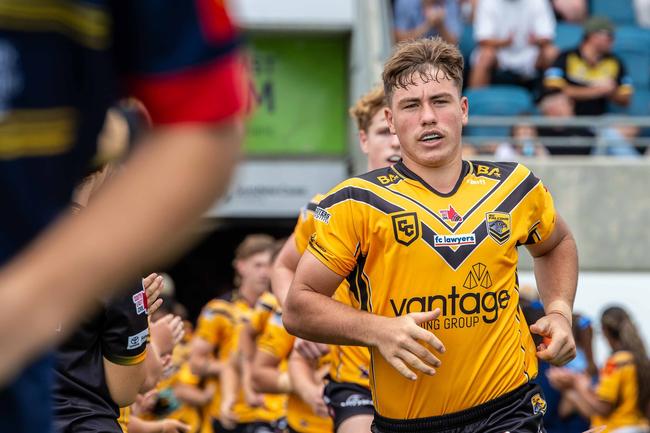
550, 59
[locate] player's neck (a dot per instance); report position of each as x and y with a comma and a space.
248, 294
442, 178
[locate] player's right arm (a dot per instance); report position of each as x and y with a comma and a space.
311, 313
175, 173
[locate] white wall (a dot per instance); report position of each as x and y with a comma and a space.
597, 290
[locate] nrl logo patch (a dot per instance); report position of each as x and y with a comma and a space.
406, 227
539, 404
498, 226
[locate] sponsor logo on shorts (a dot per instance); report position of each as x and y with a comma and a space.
356, 400
137, 340
454, 240
539, 404
462, 306
321, 214
140, 301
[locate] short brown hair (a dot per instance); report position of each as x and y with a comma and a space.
254, 244
418, 56
367, 106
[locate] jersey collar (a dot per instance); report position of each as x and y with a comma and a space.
404, 171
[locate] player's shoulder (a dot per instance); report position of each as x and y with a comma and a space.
621, 359
217, 307
495, 170
267, 301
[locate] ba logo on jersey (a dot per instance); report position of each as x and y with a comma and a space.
406, 227
451, 215
498, 225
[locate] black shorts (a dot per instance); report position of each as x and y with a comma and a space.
251, 427
519, 411
346, 400
90, 425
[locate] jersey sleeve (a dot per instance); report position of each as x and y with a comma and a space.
181, 59
335, 241
555, 76
609, 382
539, 214
305, 224
264, 308
125, 330
276, 340
213, 323
623, 79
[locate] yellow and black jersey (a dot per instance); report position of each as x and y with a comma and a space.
279, 343
618, 385
264, 308
571, 68
216, 325
349, 363
274, 405
405, 247
305, 225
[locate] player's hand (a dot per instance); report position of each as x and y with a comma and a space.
173, 426
401, 341
253, 399
314, 398
153, 286
227, 417
560, 378
309, 349
558, 347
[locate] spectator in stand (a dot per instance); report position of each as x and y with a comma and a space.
515, 42
573, 11
642, 9
620, 401
416, 19
590, 74
576, 140
524, 142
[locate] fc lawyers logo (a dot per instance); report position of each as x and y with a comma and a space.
406, 227
498, 226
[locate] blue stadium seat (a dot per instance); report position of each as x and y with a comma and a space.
466, 42
567, 35
632, 44
618, 11
501, 100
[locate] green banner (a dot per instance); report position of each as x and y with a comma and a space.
301, 86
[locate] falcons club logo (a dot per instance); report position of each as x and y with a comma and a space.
451, 215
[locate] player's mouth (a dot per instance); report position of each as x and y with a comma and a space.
431, 136
393, 158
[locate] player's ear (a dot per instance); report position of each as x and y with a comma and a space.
363, 141
389, 118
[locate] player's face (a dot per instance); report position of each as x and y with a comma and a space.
381, 145
428, 118
255, 272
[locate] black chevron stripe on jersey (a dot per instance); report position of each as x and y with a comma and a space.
456, 258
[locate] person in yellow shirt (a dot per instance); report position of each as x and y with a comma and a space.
215, 338
270, 375
620, 402
429, 247
348, 389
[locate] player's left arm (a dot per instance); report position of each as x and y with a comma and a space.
556, 272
